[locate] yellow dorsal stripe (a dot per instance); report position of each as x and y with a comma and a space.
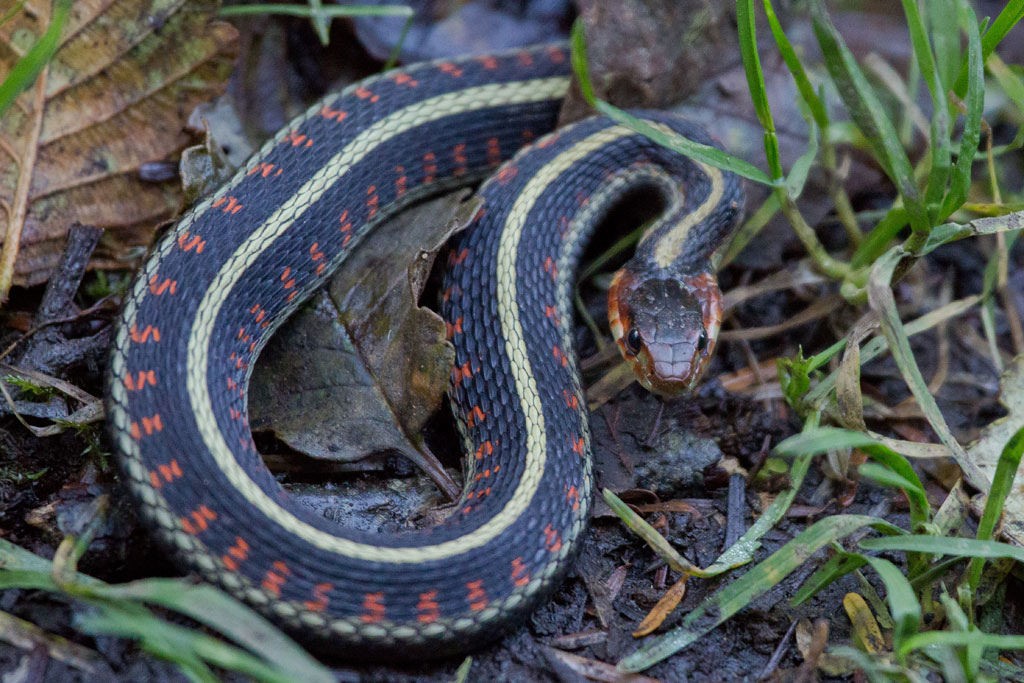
669, 246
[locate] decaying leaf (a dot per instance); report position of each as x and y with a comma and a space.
360, 371
983, 454
807, 636
115, 95
666, 605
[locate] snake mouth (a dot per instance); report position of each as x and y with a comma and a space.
675, 369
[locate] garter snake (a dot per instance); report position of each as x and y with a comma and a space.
221, 281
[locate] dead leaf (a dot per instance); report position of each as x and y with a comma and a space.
115, 95
362, 370
808, 642
666, 605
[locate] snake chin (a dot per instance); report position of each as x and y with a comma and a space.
665, 326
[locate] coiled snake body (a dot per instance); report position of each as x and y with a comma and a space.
241, 261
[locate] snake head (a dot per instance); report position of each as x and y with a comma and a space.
665, 326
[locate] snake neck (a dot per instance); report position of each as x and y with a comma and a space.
701, 209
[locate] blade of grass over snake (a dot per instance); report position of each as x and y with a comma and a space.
727, 601
882, 302
694, 150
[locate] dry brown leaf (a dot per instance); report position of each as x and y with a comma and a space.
115, 95
668, 603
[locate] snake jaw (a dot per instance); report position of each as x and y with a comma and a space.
665, 326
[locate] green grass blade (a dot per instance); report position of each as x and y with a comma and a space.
950, 232
753, 225
224, 614
838, 566
944, 545
747, 28
874, 348
650, 536
899, 595
276, 658
798, 173
944, 33
1009, 17
706, 154
963, 639
1009, 80
177, 643
742, 551
11, 12
974, 101
867, 112
880, 237
27, 69
915, 494
26, 579
1002, 485
321, 24
882, 301
727, 601
796, 68
939, 134
824, 439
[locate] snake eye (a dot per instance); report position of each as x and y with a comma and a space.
702, 341
633, 342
